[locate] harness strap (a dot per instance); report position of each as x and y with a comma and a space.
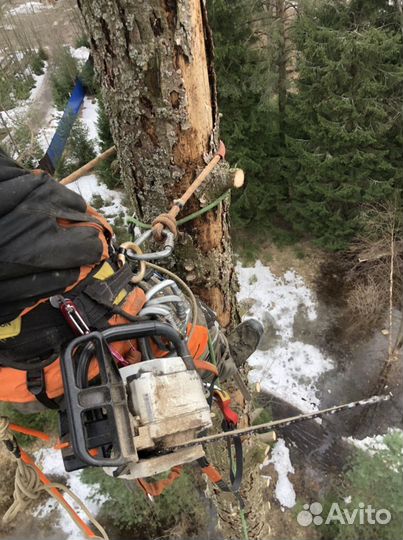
37, 386
104, 292
235, 460
235, 477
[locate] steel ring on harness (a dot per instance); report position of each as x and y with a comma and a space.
122, 260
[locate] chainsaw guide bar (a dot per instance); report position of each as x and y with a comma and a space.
284, 422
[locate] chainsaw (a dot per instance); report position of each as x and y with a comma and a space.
144, 418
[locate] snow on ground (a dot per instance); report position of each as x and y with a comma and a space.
280, 458
89, 116
89, 187
46, 133
38, 83
14, 116
28, 7
81, 54
51, 463
290, 368
373, 444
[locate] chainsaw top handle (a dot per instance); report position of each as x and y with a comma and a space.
149, 329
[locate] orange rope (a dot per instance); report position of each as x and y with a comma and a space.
26, 458
154, 489
32, 432
206, 366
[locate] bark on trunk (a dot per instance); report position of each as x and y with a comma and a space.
154, 59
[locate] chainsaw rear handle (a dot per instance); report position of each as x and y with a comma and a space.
139, 330
133, 331
109, 393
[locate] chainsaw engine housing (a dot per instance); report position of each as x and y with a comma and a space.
168, 407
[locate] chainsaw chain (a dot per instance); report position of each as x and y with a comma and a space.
284, 422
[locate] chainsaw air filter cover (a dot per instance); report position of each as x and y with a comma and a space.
167, 401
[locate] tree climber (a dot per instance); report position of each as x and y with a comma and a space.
60, 276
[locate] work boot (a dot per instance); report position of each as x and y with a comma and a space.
233, 351
244, 340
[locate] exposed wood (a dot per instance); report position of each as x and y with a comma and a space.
237, 178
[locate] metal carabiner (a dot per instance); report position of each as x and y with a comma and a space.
169, 245
71, 314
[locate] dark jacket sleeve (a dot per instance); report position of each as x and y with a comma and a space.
44, 237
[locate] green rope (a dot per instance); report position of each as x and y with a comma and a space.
138, 223
244, 522
186, 219
211, 350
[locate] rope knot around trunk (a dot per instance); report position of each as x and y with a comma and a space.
164, 220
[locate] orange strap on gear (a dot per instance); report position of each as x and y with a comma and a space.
154, 489
212, 473
32, 432
206, 366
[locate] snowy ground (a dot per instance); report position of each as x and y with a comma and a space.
280, 458
89, 115
28, 8
81, 54
89, 187
12, 117
46, 133
373, 444
290, 369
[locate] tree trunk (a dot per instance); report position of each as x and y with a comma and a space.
154, 59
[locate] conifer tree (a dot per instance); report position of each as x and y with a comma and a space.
345, 126
247, 89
